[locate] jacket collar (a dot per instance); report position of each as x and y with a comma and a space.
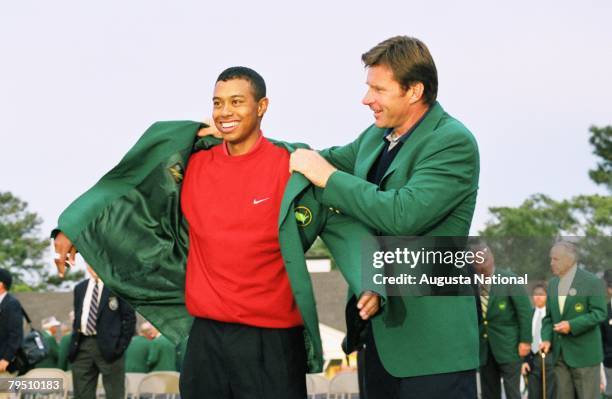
375, 143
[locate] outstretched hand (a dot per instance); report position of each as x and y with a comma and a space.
65, 253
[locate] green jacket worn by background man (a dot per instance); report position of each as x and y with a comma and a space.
162, 355
507, 322
136, 355
428, 190
130, 229
64, 349
584, 309
51, 360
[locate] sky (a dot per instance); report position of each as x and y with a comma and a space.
81, 81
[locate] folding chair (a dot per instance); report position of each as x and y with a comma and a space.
344, 386
50, 373
317, 386
132, 383
159, 384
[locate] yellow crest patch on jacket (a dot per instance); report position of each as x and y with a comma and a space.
303, 216
176, 171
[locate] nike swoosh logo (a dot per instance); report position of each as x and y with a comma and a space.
255, 201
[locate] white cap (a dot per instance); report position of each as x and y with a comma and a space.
49, 322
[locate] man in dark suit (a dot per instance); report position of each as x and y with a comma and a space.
11, 324
102, 329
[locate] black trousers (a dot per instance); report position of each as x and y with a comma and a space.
376, 383
236, 361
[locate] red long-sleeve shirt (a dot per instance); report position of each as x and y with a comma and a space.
235, 271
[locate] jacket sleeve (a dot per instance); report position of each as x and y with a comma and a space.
546, 333
15, 335
347, 241
137, 205
595, 315
524, 313
439, 183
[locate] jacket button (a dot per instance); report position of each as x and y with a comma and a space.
484, 335
486, 322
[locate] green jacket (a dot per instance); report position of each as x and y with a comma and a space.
130, 229
584, 310
162, 355
507, 322
50, 361
429, 189
136, 355
64, 349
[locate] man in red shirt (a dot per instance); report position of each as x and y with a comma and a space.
247, 340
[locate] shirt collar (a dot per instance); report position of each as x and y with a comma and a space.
257, 144
2, 296
93, 281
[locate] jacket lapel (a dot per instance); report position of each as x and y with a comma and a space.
372, 147
571, 299
553, 300
103, 301
296, 184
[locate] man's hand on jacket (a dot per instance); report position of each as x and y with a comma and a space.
368, 305
65, 252
312, 165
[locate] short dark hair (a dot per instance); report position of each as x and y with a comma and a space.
410, 61
6, 279
239, 72
538, 285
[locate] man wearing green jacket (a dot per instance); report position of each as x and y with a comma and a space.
137, 352
505, 330
413, 173
64, 345
247, 224
576, 306
49, 326
162, 353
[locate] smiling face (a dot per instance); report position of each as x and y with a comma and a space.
390, 102
236, 112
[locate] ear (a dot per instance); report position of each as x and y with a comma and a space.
417, 91
262, 107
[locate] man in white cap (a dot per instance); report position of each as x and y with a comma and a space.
50, 326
